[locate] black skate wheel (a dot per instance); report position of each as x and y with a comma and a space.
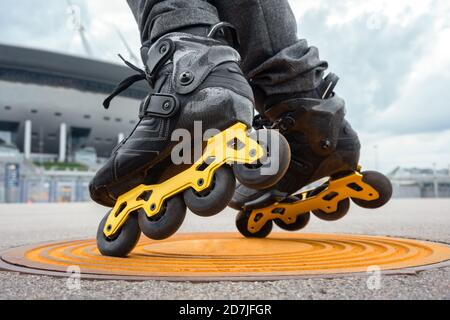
242, 222
300, 223
166, 223
214, 199
123, 242
343, 208
380, 183
269, 170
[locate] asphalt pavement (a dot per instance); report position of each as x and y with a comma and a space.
417, 219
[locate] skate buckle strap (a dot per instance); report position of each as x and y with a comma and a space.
227, 31
328, 86
159, 105
157, 56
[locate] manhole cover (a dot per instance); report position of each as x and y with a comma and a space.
225, 256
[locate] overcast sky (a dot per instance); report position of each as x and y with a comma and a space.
393, 58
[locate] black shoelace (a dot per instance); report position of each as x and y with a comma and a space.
128, 82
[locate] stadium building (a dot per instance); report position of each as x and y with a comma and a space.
51, 112
51, 104
420, 183
54, 132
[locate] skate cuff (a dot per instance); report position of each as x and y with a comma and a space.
193, 67
319, 120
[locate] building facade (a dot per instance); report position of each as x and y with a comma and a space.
420, 183
51, 112
51, 104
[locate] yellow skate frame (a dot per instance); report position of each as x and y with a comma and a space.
327, 201
221, 149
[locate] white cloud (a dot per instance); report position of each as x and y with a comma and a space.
385, 151
393, 58
394, 61
109, 20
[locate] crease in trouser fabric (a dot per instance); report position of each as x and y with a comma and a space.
273, 57
156, 18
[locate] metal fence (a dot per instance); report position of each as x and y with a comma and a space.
23, 183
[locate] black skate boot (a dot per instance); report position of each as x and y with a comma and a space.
323, 145
322, 142
195, 78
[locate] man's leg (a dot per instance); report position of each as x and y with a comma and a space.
274, 59
287, 77
195, 76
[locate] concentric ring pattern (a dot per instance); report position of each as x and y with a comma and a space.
229, 256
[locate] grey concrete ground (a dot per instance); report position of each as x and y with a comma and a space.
420, 219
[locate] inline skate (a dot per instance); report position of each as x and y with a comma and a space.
195, 79
323, 146
329, 202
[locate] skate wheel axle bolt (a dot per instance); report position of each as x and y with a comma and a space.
109, 228
166, 105
201, 182
153, 207
186, 78
253, 153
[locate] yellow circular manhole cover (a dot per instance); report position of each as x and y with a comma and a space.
225, 256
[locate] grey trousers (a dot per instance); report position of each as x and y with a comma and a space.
274, 60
